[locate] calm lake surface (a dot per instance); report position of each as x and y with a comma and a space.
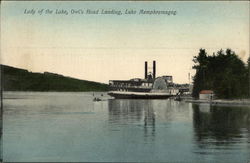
71, 127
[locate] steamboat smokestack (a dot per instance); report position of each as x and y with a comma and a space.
154, 69
146, 70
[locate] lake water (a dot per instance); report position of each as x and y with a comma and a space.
71, 127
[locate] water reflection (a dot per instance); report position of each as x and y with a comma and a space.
149, 121
121, 130
133, 112
220, 127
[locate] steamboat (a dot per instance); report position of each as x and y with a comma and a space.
151, 87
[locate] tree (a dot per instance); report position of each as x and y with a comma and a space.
199, 78
224, 73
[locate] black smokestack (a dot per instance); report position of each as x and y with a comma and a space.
154, 69
146, 70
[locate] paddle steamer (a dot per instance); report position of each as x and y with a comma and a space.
151, 87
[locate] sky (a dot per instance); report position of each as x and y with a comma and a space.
103, 47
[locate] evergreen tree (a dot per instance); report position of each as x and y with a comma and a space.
199, 78
224, 73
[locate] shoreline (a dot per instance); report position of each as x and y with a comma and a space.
241, 102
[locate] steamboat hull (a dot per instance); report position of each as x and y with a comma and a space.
139, 95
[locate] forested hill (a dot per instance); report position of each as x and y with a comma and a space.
223, 72
15, 79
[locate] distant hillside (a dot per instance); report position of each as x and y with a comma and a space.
15, 79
